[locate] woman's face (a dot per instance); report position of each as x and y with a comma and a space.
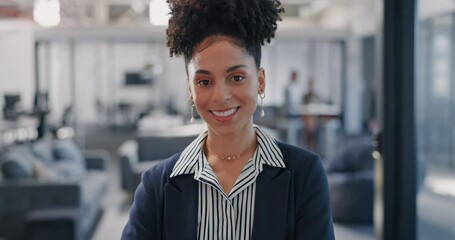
224, 84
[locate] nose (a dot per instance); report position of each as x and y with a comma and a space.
222, 92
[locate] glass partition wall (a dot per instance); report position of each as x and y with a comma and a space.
435, 123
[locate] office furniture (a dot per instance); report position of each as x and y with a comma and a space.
351, 181
149, 148
49, 189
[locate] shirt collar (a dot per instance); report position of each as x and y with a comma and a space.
192, 156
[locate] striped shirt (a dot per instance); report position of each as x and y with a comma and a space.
222, 216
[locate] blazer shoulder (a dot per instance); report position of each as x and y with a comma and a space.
296, 157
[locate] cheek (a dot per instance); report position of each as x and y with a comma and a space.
199, 98
254, 91
249, 96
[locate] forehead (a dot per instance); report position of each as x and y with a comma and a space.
219, 52
208, 41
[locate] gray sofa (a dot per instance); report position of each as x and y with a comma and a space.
351, 180
149, 148
49, 189
350, 173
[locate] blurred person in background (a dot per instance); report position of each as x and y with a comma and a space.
310, 122
293, 102
293, 95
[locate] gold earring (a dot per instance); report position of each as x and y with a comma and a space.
262, 96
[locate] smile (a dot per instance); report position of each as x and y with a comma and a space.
225, 113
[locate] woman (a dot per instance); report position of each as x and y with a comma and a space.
234, 181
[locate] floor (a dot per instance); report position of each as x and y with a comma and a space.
116, 211
436, 205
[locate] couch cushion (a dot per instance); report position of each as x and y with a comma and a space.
68, 171
17, 162
61, 171
44, 172
42, 149
67, 150
355, 155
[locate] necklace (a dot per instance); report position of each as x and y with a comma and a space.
229, 157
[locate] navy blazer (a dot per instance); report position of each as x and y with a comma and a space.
291, 202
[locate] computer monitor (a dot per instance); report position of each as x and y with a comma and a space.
137, 78
11, 109
11, 99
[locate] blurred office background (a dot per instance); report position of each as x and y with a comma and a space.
88, 86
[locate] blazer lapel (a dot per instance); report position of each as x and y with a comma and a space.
271, 204
270, 213
180, 210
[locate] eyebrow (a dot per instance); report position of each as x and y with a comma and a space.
230, 69
233, 68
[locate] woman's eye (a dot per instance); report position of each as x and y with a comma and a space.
237, 78
203, 82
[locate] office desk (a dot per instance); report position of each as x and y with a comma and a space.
319, 110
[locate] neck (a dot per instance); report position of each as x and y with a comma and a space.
232, 145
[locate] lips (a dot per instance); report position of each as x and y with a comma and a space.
224, 115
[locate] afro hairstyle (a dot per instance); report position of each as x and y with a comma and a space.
250, 23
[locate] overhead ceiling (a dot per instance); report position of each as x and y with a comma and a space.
329, 14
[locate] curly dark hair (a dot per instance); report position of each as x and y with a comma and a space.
250, 23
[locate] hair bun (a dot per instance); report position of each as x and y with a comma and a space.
253, 22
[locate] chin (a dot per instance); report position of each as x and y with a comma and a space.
229, 129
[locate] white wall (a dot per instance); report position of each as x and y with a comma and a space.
17, 61
175, 82
60, 87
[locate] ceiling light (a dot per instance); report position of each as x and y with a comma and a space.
158, 12
46, 12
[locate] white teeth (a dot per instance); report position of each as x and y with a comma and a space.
225, 113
